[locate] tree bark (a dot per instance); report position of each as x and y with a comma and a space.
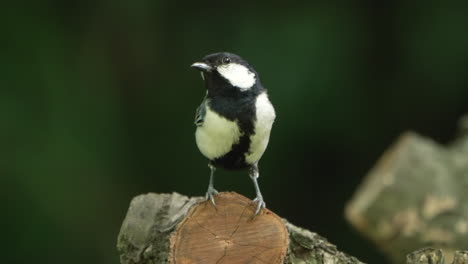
435, 256
415, 196
172, 228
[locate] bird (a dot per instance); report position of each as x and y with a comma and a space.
234, 119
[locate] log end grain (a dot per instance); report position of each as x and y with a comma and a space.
228, 233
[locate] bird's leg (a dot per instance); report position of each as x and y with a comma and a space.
253, 173
211, 190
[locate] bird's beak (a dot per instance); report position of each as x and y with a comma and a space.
202, 66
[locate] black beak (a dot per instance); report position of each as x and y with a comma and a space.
202, 66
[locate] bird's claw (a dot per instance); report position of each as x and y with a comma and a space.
210, 195
260, 204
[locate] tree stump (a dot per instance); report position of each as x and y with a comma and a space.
171, 228
415, 196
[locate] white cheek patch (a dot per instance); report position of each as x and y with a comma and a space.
238, 75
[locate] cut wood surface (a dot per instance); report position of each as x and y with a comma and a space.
415, 196
229, 234
172, 228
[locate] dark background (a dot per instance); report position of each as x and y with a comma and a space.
97, 103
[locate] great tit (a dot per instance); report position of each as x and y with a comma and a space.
234, 120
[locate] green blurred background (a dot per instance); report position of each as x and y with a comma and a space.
97, 103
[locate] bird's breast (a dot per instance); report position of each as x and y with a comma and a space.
264, 118
217, 135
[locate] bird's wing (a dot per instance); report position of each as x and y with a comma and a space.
200, 114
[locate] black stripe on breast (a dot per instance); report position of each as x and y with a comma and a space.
241, 110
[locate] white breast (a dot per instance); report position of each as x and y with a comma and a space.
217, 134
265, 114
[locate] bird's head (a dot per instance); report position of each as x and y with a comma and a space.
223, 72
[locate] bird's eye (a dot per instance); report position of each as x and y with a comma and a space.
226, 60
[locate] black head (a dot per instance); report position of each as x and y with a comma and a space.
225, 72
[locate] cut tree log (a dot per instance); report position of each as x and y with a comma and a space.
415, 196
172, 228
228, 233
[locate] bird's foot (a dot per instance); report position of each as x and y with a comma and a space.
260, 204
210, 194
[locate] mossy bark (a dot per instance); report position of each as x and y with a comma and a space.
435, 256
